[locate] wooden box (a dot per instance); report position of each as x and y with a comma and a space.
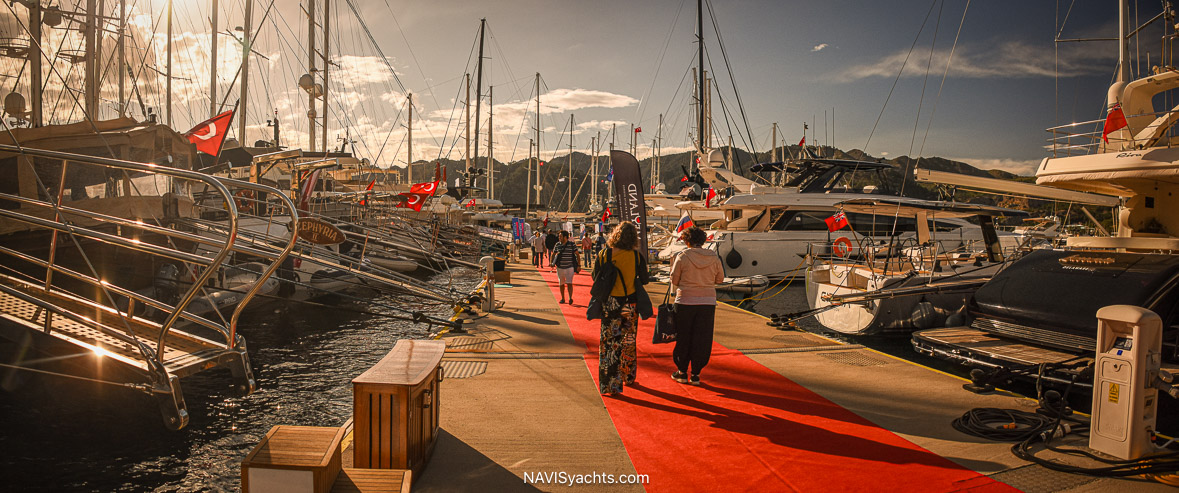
293, 459
395, 409
503, 277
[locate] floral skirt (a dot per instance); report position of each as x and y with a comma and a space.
617, 363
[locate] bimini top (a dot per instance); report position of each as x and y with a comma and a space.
907, 206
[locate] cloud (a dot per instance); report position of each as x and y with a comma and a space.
819, 47
1025, 167
1007, 60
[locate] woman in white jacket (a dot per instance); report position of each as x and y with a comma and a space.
695, 272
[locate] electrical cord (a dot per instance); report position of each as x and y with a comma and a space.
1054, 420
1002, 425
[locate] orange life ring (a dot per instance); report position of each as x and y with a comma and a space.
845, 249
244, 200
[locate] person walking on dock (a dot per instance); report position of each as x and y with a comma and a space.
537, 243
587, 244
565, 258
550, 241
618, 299
695, 272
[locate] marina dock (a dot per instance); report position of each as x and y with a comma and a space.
777, 411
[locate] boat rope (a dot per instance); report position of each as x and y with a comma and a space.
134, 386
788, 279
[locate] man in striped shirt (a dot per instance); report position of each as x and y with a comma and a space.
564, 257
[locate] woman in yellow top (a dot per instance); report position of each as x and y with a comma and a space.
619, 304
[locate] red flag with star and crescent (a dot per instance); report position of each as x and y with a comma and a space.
210, 134
606, 214
427, 188
413, 201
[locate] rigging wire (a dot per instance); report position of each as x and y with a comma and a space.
899, 72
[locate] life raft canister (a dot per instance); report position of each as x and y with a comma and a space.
842, 246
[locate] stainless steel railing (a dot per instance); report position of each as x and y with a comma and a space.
59, 225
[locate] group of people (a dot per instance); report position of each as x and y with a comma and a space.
619, 299
564, 256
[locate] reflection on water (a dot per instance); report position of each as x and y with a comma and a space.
66, 435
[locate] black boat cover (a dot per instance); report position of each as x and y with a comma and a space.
1062, 290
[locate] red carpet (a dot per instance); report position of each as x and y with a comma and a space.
750, 429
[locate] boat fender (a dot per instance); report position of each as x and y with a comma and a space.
733, 259
842, 246
923, 315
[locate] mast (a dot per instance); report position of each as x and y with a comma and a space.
35, 54
122, 31
528, 183
594, 169
478, 90
467, 116
168, 84
409, 139
570, 209
706, 137
213, 63
633, 140
241, 119
91, 61
311, 75
658, 151
1114, 96
700, 53
774, 144
490, 141
326, 24
538, 137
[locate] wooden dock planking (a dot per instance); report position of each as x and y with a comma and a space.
979, 341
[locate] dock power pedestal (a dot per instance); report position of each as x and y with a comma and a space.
488, 264
1125, 395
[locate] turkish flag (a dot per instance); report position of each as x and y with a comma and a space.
685, 178
427, 188
802, 142
638, 129
209, 135
708, 199
1113, 121
471, 203
413, 200
364, 201
836, 222
606, 214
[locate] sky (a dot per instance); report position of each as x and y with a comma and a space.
835, 65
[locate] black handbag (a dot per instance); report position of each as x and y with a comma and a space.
665, 321
604, 275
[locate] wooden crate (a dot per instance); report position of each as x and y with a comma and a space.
503, 277
293, 459
395, 409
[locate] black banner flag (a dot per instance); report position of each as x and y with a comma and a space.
628, 190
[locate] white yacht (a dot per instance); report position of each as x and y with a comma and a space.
769, 234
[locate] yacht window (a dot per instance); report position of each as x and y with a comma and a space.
802, 221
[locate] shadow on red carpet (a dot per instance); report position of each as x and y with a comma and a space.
749, 428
